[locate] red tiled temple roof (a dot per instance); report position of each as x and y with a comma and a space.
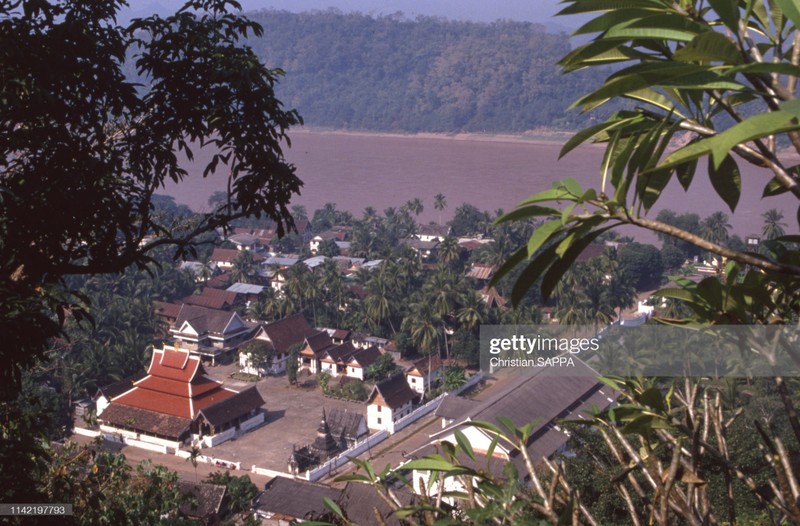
176, 384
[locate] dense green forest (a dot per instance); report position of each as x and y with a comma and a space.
428, 74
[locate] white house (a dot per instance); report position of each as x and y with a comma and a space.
389, 401
423, 373
545, 397
281, 336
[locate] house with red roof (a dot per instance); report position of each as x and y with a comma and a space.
215, 299
178, 403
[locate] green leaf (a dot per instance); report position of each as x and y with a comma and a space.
650, 185
354, 477
774, 187
676, 294
491, 448
614, 18
510, 429
670, 74
587, 133
727, 181
709, 46
557, 270
487, 426
690, 152
464, 444
331, 505
728, 12
660, 26
655, 98
641, 425
599, 53
685, 173
430, 464
652, 398
591, 6
610, 382
553, 194
780, 68
791, 10
755, 127
541, 235
525, 212
572, 187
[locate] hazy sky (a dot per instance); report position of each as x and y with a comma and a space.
540, 11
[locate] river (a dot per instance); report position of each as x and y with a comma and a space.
359, 170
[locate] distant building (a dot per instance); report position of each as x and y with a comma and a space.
336, 234
423, 373
316, 345
214, 299
206, 502
545, 397
432, 232
210, 333
345, 359
281, 335
224, 258
347, 427
389, 401
481, 273
286, 501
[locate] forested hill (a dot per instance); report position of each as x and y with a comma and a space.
429, 74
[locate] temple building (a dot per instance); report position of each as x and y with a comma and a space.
178, 403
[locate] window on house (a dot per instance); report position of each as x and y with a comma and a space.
379, 420
379, 409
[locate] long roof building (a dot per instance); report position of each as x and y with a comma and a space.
177, 396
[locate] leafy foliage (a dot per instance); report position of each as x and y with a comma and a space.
691, 81
91, 148
422, 74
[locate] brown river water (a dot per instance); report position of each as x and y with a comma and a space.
359, 170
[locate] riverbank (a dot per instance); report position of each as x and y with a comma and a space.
539, 136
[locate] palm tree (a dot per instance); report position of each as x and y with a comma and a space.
382, 287
370, 215
570, 309
497, 252
299, 212
297, 280
473, 312
244, 267
409, 268
594, 285
421, 325
715, 228
441, 293
439, 203
449, 250
415, 206
773, 227
620, 292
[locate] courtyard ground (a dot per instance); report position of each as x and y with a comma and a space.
293, 416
